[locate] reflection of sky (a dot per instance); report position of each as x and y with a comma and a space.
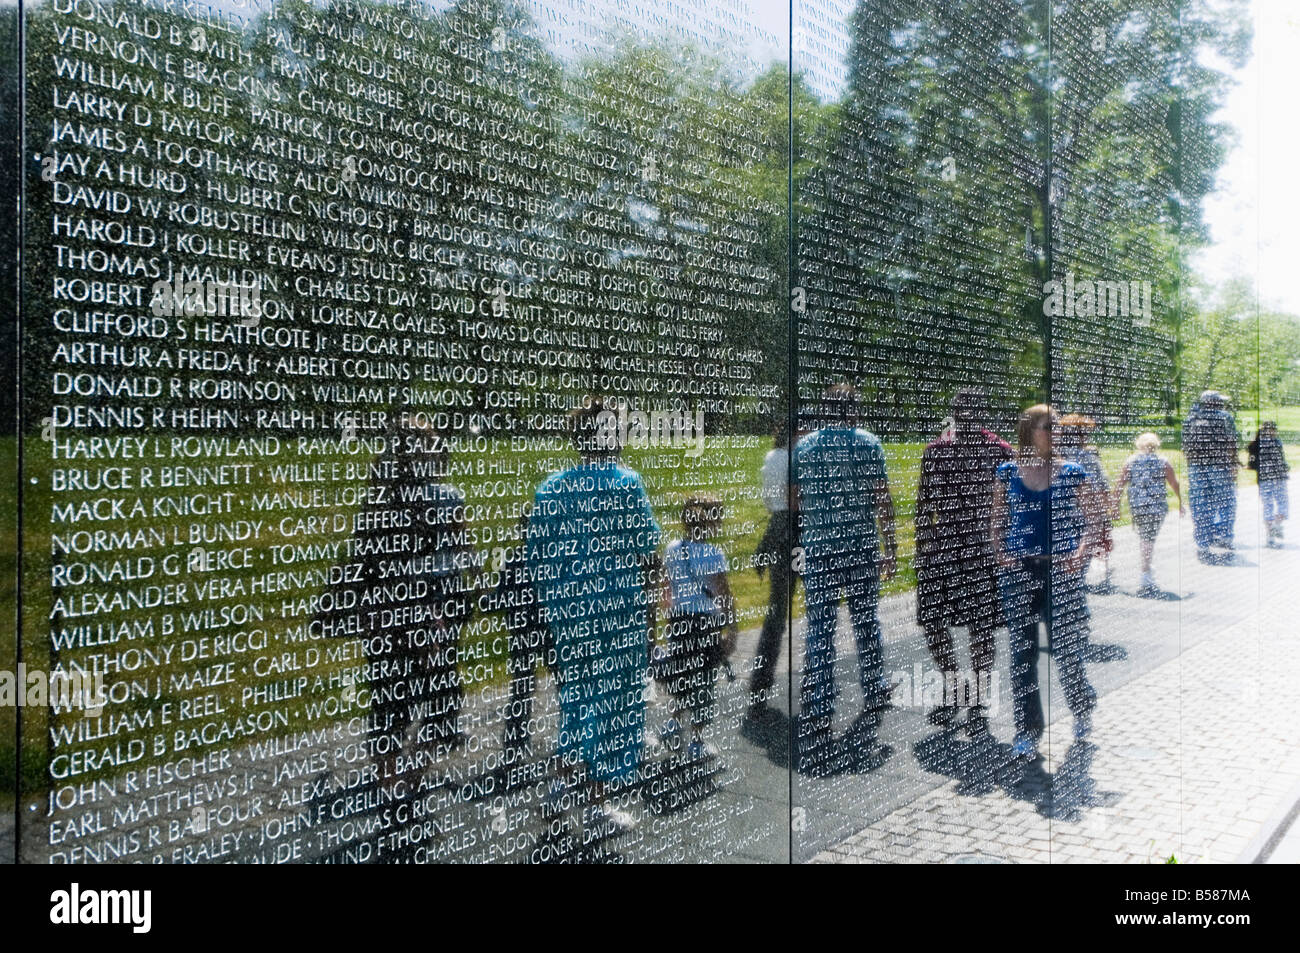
749, 34
1254, 214
820, 39
821, 44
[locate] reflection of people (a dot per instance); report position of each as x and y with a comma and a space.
592, 544
413, 550
774, 550
1075, 436
956, 585
1210, 445
842, 490
1146, 474
1043, 530
701, 607
1268, 460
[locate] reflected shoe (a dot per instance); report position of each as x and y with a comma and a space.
814, 746
1082, 726
763, 715
756, 725
769, 729
1025, 747
884, 699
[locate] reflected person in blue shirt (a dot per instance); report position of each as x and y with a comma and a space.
842, 491
593, 557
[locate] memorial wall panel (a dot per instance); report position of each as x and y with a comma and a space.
918, 331
386, 367
615, 430
10, 110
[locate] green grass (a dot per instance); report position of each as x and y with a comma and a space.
729, 468
1287, 419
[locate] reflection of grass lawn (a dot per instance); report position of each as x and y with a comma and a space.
1286, 418
729, 468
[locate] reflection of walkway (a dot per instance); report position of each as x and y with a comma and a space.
1196, 738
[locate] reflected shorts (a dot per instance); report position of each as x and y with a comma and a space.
1147, 523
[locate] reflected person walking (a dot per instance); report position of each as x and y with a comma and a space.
1043, 532
842, 492
592, 559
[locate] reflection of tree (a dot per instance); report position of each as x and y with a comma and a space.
442, 165
1235, 347
682, 214
977, 155
652, 158
387, 126
1134, 153
914, 249
964, 168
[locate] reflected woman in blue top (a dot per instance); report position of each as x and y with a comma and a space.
1044, 530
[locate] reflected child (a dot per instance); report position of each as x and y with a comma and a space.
1146, 474
702, 629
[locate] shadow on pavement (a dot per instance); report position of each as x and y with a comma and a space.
1106, 652
770, 731
983, 765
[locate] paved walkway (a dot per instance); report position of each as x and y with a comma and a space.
1196, 740
1287, 848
